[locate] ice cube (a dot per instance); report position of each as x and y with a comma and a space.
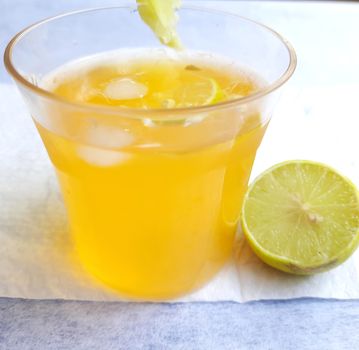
125, 89
194, 120
168, 103
108, 137
150, 145
148, 122
102, 157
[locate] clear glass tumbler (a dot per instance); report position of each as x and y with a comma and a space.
153, 196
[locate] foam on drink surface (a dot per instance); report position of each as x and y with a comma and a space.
151, 79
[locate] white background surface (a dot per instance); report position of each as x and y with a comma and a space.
308, 324
316, 119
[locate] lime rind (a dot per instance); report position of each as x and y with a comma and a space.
282, 261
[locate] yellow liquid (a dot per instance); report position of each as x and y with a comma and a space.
154, 218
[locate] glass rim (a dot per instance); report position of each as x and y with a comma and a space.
139, 113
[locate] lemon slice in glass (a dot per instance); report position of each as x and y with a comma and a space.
161, 17
302, 217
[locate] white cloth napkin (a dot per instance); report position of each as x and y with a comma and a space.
36, 258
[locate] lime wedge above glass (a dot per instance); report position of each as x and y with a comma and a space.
302, 217
161, 17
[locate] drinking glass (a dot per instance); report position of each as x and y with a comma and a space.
153, 196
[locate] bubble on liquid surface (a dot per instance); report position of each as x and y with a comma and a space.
125, 89
102, 157
108, 137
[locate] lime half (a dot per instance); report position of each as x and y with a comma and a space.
302, 217
161, 17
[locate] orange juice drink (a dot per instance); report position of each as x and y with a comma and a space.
153, 147
155, 219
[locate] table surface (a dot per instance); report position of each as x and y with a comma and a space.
325, 35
